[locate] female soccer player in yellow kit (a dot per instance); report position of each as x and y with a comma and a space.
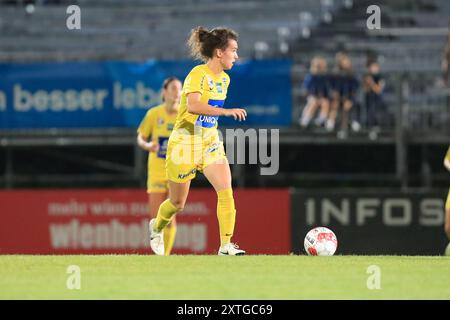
157, 125
194, 144
447, 204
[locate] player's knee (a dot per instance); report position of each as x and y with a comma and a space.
224, 186
312, 100
178, 203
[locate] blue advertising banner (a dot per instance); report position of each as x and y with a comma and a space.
117, 94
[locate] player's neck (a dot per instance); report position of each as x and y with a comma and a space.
171, 107
215, 66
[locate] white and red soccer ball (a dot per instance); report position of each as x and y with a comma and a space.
320, 241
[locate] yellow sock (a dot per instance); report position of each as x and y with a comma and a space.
169, 237
226, 214
165, 213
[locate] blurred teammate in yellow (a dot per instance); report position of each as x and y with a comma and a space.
447, 204
153, 136
194, 144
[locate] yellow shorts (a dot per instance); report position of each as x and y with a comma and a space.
157, 185
184, 160
447, 204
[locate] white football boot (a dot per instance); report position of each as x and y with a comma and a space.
156, 239
230, 249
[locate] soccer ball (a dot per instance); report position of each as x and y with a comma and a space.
320, 241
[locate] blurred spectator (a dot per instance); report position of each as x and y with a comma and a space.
373, 94
344, 86
317, 87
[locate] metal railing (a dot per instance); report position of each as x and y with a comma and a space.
419, 109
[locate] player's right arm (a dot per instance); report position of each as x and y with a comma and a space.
195, 106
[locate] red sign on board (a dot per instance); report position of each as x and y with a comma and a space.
116, 221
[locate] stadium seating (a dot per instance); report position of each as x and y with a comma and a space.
404, 25
103, 35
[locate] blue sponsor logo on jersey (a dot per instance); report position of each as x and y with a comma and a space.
210, 121
162, 147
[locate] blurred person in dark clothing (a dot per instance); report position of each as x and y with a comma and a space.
373, 94
318, 89
344, 86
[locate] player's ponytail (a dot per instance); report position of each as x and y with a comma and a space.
202, 42
202, 34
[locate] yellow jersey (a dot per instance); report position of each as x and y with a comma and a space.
213, 89
158, 125
447, 156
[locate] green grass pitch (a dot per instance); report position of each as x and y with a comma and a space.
214, 277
